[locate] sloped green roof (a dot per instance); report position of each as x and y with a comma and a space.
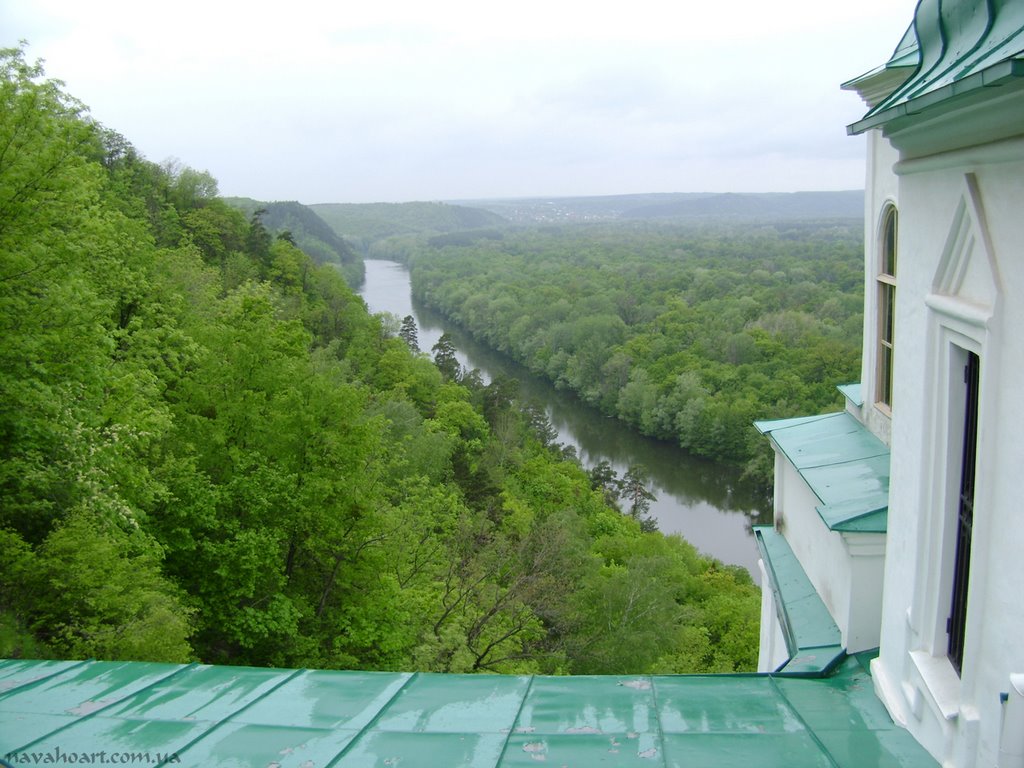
958, 47
136, 713
853, 392
845, 466
813, 640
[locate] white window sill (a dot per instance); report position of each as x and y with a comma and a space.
941, 682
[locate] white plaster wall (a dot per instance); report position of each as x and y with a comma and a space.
957, 719
867, 570
773, 652
845, 569
821, 553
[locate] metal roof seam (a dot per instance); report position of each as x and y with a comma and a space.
958, 60
515, 720
235, 713
657, 720
844, 462
40, 680
807, 727
372, 721
89, 715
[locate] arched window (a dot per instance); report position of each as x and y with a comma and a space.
886, 307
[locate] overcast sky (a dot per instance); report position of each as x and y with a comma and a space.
395, 100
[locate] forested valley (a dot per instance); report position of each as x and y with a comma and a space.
209, 450
687, 331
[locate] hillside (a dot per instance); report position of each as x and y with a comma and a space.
310, 232
364, 223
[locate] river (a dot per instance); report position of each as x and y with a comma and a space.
703, 501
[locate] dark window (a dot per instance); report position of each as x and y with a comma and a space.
957, 622
886, 308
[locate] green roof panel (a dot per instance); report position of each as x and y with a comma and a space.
843, 463
436, 703
853, 392
702, 704
223, 716
813, 640
827, 440
314, 700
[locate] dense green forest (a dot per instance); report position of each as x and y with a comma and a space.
209, 450
300, 225
689, 333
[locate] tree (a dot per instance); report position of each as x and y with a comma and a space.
445, 359
409, 333
604, 479
189, 188
258, 240
96, 590
636, 494
539, 424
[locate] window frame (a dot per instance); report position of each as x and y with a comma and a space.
885, 281
956, 622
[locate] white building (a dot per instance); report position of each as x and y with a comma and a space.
919, 549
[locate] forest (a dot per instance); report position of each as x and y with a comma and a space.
688, 332
210, 451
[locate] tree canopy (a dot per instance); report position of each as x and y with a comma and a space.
689, 333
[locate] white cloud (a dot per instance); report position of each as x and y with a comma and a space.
398, 99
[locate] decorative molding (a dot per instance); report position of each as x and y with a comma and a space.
966, 283
994, 153
864, 544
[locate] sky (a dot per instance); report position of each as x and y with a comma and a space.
399, 100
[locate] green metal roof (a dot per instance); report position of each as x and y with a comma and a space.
813, 640
134, 713
852, 392
959, 47
845, 466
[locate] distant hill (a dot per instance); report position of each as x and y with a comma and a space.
681, 205
396, 230
847, 204
365, 223
310, 232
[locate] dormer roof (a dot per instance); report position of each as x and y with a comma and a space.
952, 48
879, 83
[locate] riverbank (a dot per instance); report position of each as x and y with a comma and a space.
703, 501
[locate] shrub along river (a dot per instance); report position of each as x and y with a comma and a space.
703, 501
